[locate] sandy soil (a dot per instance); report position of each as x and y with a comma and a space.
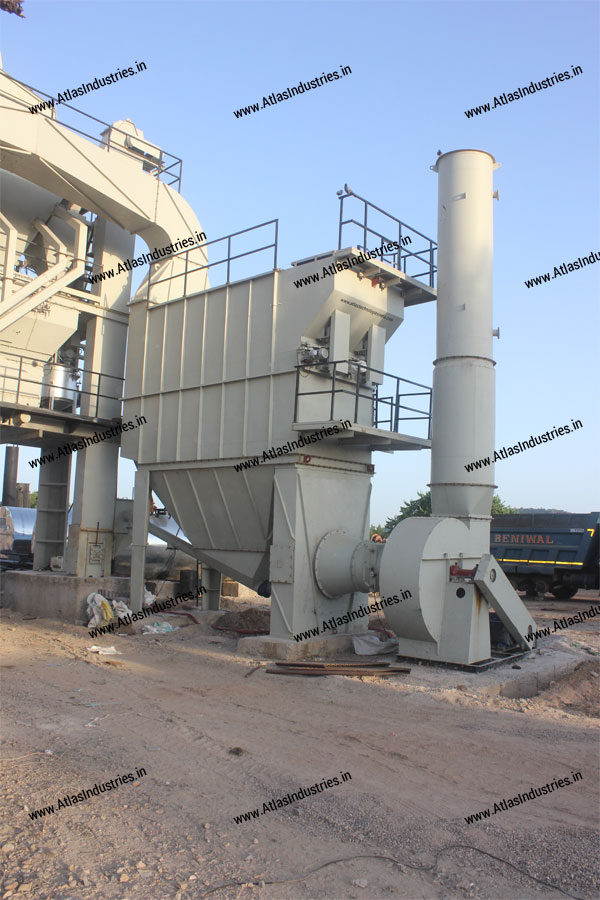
219, 738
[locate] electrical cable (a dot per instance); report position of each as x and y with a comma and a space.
429, 868
14, 758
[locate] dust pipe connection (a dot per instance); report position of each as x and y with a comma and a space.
343, 566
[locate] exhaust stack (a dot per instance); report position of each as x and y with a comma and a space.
445, 561
464, 378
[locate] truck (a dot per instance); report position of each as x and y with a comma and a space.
553, 553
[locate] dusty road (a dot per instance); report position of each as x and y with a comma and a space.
218, 740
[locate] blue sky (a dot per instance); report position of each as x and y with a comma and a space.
416, 68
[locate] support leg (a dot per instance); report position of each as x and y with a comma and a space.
53, 503
139, 538
211, 580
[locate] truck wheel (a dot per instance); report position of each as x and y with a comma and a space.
564, 592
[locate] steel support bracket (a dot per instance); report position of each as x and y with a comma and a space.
499, 593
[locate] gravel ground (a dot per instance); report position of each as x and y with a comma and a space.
219, 737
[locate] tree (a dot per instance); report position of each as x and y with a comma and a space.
33, 498
422, 507
501, 509
13, 6
419, 507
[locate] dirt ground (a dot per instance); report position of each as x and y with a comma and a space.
219, 737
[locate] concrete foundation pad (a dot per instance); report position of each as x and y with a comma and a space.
282, 648
532, 684
56, 596
528, 677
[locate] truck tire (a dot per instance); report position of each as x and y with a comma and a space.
564, 591
529, 588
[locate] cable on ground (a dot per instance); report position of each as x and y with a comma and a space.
264, 881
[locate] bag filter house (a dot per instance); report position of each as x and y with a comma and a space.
227, 376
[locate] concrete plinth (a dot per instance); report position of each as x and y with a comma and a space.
57, 596
281, 648
530, 685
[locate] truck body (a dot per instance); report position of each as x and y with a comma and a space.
548, 552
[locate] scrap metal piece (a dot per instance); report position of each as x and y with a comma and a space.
318, 664
335, 669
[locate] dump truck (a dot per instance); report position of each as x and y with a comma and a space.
548, 552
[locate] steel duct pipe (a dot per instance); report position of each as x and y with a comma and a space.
9, 487
344, 565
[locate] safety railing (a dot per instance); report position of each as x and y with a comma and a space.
226, 261
355, 381
422, 254
166, 166
16, 388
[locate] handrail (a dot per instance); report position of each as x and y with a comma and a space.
399, 257
394, 402
159, 168
77, 391
226, 259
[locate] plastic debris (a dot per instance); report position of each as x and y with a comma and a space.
102, 611
104, 651
120, 608
99, 609
149, 598
158, 628
370, 644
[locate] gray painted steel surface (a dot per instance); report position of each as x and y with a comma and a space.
444, 560
214, 373
71, 207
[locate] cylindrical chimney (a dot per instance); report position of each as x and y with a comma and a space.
9, 487
463, 381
